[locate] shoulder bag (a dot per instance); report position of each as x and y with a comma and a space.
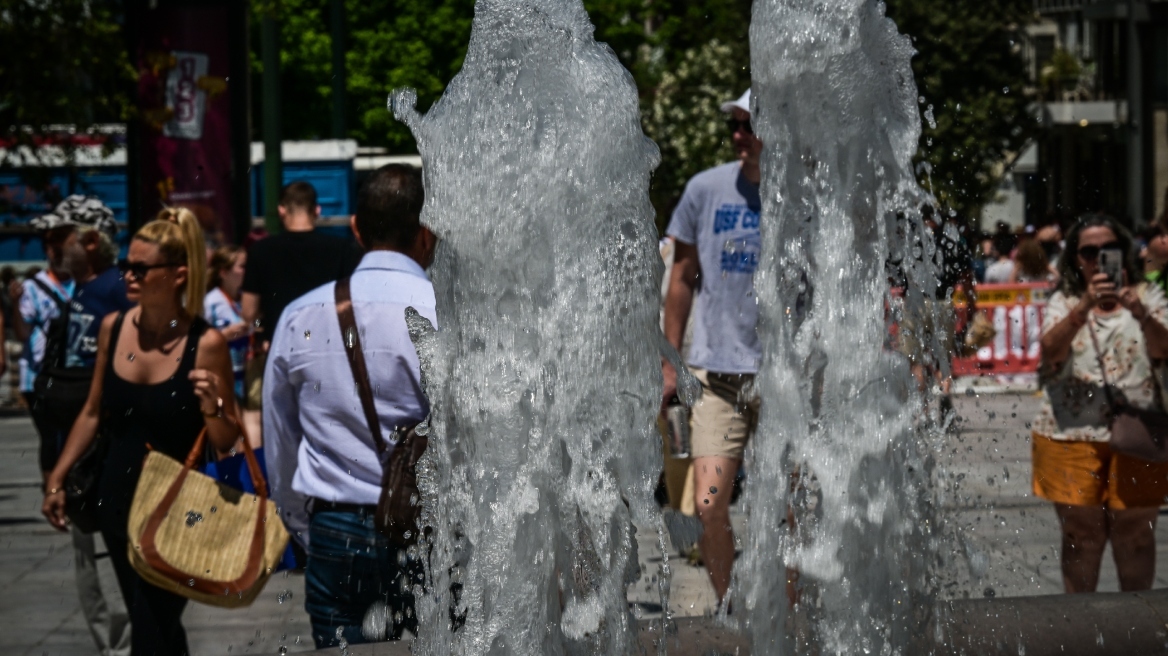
399, 506
202, 539
1138, 433
81, 486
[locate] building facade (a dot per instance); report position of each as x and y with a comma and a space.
1100, 70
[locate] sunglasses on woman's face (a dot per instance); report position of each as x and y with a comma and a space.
139, 269
1091, 253
735, 125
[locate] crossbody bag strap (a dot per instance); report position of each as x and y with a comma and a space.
1102, 367
351, 338
62, 304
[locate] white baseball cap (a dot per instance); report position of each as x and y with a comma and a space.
742, 103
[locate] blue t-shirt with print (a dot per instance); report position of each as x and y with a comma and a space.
37, 307
93, 301
719, 214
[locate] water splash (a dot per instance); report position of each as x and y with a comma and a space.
835, 104
544, 377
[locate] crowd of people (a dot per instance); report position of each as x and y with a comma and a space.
148, 352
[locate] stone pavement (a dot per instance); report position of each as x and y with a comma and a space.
1010, 538
39, 612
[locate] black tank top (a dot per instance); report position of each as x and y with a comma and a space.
166, 416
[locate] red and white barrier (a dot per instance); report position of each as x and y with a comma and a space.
1016, 311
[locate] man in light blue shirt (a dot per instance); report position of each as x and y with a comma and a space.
322, 460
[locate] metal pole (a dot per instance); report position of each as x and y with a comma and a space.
1135, 100
240, 68
273, 164
338, 43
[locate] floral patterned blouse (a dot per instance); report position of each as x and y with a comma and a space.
1074, 407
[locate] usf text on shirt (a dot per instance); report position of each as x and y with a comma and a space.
316, 440
719, 214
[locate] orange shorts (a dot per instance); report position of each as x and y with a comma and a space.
1089, 474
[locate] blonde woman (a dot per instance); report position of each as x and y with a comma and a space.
161, 376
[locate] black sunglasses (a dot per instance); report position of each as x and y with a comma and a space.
139, 269
1092, 252
735, 125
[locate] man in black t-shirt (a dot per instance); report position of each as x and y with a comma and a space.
283, 267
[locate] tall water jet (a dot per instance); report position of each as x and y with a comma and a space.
838, 443
544, 374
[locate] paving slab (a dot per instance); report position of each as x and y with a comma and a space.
1006, 542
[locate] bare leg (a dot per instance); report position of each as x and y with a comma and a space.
1133, 543
918, 372
1084, 531
713, 481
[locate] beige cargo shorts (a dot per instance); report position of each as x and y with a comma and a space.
725, 416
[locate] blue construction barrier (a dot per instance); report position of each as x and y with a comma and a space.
20, 202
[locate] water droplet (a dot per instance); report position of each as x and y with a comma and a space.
283, 650
130, 357
989, 593
308, 334
713, 490
284, 595
193, 518
214, 509
191, 583
174, 323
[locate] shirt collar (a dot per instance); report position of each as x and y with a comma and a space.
393, 261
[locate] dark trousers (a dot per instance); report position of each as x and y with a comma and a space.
51, 439
352, 568
155, 615
53, 412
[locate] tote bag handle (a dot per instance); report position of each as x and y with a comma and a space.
255, 553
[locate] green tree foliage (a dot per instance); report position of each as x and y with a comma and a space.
687, 57
62, 62
683, 115
389, 44
970, 72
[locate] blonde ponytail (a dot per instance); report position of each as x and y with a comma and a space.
179, 237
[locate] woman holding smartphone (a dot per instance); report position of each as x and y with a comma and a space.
161, 376
1102, 311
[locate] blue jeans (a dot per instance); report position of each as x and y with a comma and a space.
350, 568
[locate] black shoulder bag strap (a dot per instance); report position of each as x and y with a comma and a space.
54, 294
56, 330
351, 338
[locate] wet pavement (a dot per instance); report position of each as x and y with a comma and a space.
1010, 537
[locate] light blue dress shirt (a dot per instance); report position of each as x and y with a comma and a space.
316, 440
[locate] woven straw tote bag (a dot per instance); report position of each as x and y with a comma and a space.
198, 538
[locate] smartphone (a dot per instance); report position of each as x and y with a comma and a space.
1111, 263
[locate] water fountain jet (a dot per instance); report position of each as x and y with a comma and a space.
544, 375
